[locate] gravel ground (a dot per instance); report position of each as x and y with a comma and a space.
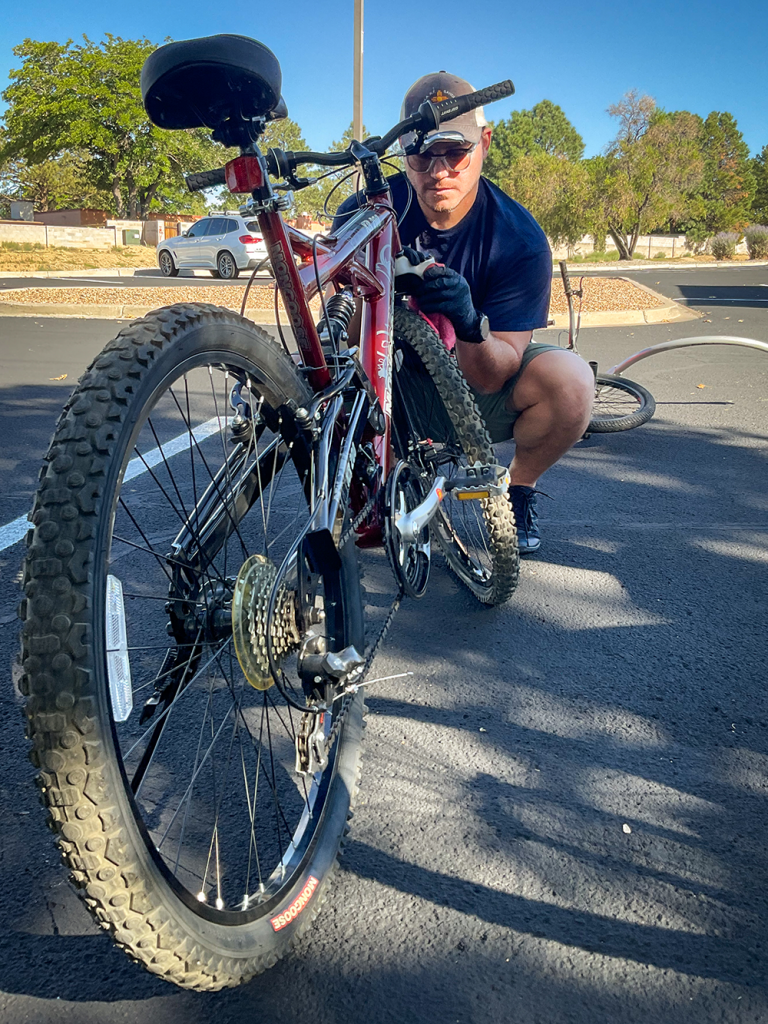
600, 295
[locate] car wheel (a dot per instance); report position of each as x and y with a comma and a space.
167, 267
226, 266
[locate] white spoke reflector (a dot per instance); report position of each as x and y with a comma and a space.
118, 664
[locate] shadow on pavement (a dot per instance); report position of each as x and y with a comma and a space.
723, 295
563, 811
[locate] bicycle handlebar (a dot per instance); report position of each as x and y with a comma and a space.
205, 179
427, 118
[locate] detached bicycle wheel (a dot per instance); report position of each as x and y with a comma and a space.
174, 488
437, 430
620, 404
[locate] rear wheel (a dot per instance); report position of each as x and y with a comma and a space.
174, 489
437, 430
620, 404
226, 267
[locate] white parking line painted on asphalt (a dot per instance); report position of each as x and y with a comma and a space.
15, 531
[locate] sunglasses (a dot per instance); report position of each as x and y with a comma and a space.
457, 159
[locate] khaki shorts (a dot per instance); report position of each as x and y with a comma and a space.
493, 408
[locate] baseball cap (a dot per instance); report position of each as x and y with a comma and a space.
436, 87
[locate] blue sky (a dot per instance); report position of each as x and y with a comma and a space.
697, 56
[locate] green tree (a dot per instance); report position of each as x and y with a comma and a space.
543, 128
555, 190
53, 184
85, 98
331, 191
760, 200
648, 173
723, 201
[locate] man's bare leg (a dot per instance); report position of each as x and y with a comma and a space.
554, 397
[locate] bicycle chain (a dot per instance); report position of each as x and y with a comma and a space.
349, 694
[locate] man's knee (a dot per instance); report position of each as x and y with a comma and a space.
560, 380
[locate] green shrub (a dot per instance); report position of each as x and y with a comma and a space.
660, 256
21, 246
756, 238
724, 245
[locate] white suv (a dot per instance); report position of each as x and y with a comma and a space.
225, 244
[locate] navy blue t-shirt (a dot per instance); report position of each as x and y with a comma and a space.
498, 247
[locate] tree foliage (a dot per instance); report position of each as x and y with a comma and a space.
542, 129
84, 98
760, 200
723, 199
61, 182
556, 192
648, 173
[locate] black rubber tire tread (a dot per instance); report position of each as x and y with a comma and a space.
70, 732
614, 424
476, 444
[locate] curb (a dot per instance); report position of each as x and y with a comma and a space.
580, 268
129, 311
95, 272
616, 318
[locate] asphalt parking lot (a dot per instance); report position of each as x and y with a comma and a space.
563, 810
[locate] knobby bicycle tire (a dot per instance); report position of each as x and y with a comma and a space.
620, 404
436, 426
107, 824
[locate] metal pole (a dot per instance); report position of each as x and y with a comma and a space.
357, 87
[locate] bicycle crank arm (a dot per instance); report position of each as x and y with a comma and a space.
410, 524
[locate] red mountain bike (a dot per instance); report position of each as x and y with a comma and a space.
194, 637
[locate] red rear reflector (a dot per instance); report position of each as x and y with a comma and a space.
249, 239
244, 174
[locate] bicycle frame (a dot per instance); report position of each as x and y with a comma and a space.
372, 232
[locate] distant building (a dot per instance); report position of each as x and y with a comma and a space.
74, 218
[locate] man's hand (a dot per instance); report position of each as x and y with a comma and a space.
444, 291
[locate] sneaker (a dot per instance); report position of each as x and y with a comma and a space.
524, 506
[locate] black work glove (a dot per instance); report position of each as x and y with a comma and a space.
444, 291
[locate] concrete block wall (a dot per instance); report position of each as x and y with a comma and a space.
57, 235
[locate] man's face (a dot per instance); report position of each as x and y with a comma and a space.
442, 189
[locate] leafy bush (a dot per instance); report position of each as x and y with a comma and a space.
724, 245
660, 256
21, 246
757, 241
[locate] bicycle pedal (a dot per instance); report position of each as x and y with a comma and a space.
479, 481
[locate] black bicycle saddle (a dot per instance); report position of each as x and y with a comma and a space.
217, 82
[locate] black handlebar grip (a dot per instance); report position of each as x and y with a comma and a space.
448, 109
206, 179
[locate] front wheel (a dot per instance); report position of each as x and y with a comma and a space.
167, 267
174, 491
620, 404
438, 431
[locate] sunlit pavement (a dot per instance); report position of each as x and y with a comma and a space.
563, 810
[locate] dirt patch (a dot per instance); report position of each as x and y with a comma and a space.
17, 261
600, 295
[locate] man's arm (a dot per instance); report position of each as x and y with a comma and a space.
489, 366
